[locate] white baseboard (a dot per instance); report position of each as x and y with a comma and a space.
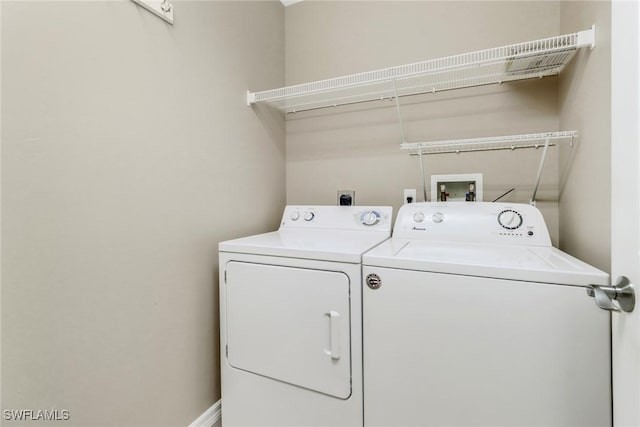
209, 417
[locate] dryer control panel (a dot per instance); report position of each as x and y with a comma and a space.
507, 223
372, 218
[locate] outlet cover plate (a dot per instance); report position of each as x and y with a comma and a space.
409, 193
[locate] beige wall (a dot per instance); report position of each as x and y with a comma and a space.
358, 147
127, 154
585, 105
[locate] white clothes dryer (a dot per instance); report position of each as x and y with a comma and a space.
472, 318
291, 318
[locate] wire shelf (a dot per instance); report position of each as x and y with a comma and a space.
510, 142
534, 59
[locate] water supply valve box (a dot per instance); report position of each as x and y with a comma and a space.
456, 187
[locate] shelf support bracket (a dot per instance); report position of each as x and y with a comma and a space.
540, 168
587, 37
161, 8
424, 182
404, 139
251, 98
395, 95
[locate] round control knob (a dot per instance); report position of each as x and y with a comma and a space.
295, 215
308, 216
510, 219
370, 218
437, 217
418, 217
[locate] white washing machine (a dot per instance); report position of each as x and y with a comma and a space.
472, 318
291, 318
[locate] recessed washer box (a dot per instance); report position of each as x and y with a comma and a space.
457, 187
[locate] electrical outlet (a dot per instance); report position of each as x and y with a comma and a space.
409, 196
346, 197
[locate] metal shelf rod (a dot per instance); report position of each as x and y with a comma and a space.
510, 142
476, 150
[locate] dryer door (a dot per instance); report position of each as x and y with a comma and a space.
290, 324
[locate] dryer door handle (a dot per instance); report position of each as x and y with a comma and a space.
334, 331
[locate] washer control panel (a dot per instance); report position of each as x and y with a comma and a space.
338, 217
479, 222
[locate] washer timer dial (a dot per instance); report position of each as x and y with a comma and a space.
510, 219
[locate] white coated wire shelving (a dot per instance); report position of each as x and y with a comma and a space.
533, 59
509, 142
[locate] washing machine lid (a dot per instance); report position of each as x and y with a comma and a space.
527, 263
326, 245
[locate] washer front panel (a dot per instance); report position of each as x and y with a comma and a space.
449, 350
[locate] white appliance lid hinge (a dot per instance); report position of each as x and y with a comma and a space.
225, 276
226, 350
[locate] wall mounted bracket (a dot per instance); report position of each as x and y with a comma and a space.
160, 8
